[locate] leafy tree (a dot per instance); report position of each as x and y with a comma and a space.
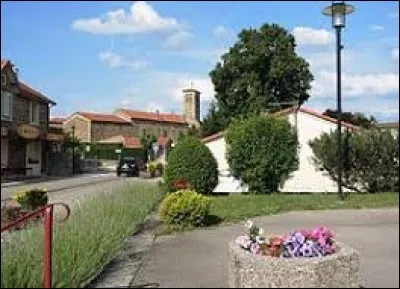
371, 159
213, 122
357, 118
147, 143
192, 161
262, 152
260, 69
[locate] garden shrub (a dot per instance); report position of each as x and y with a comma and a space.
261, 152
31, 199
185, 208
370, 159
192, 161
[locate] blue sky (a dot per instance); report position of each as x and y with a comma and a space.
99, 56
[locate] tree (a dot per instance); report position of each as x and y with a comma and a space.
213, 122
147, 143
371, 159
192, 161
262, 68
262, 152
357, 118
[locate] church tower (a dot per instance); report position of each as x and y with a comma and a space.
191, 100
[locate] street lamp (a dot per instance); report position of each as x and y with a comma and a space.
73, 149
338, 11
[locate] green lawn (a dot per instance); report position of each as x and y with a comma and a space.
238, 207
88, 240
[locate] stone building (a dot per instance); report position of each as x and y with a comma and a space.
127, 123
24, 125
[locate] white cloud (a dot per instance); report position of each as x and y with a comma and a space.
178, 39
355, 85
141, 18
395, 54
376, 28
312, 36
221, 30
202, 84
114, 60
153, 107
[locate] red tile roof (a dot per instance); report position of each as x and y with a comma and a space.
26, 90
286, 112
58, 120
154, 116
316, 114
132, 142
101, 117
4, 63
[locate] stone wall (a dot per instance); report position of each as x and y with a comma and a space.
163, 129
104, 130
81, 128
339, 270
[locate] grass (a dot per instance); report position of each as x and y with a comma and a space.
238, 207
84, 244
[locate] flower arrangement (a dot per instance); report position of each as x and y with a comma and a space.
31, 199
299, 243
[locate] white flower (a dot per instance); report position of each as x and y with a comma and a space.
261, 231
249, 224
260, 240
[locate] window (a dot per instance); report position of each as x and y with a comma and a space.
6, 105
34, 112
3, 79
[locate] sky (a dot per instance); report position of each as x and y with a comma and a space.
100, 56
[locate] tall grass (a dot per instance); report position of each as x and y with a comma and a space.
86, 242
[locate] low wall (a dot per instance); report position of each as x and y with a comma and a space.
339, 270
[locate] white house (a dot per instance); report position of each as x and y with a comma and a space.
308, 178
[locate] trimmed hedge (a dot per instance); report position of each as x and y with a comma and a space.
191, 160
262, 152
185, 208
107, 152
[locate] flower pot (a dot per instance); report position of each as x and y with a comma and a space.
338, 270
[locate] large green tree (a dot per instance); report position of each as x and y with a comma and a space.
262, 68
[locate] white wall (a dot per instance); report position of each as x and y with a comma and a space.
4, 152
226, 183
307, 178
34, 151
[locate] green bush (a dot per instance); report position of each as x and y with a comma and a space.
192, 161
185, 208
370, 159
31, 199
261, 152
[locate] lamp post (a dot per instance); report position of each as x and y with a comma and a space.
73, 149
338, 11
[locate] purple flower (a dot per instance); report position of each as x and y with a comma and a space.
255, 248
244, 242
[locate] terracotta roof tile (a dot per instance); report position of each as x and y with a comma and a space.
29, 92
144, 115
132, 142
58, 120
213, 136
101, 117
4, 63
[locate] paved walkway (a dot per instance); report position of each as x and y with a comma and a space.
199, 258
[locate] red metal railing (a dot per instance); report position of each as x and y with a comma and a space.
47, 212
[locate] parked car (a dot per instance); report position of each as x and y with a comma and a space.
128, 166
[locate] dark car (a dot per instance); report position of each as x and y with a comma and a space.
128, 166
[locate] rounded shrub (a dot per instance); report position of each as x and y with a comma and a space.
261, 152
192, 161
185, 208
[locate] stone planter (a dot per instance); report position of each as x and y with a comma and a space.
339, 270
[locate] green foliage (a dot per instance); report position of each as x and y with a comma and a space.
147, 142
214, 121
371, 159
262, 152
31, 199
84, 244
357, 118
192, 160
260, 69
107, 152
185, 208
